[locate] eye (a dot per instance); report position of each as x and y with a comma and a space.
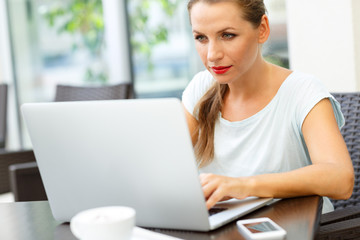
200, 38
228, 36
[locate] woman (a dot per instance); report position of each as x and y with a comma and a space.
259, 129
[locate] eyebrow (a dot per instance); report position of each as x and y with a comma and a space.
222, 30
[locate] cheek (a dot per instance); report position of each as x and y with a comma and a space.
202, 51
244, 53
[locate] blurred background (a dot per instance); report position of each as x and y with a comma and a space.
101, 42
54, 42
63, 41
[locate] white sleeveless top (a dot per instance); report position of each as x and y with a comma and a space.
271, 140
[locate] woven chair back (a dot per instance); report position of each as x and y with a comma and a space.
8, 158
85, 93
350, 106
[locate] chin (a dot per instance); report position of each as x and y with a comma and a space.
221, 79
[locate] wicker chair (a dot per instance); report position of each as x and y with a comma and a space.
3, 114
344, 222
81, 93
25, 179
8, 158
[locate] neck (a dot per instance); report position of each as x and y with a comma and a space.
254, 82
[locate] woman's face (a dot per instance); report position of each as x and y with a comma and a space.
227, 44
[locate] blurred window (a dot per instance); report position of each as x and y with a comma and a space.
164, 58
56, 41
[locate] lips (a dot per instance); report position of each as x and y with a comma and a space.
221, 69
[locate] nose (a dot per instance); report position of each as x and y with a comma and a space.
215, 51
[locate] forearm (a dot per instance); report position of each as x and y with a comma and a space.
325, 179
329, 180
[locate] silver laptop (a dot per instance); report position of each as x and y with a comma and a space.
135, 153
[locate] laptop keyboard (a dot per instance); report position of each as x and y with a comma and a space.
215, 210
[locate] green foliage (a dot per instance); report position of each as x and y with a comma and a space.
277, 60
82, 18
85, 19
93, 76
143, 36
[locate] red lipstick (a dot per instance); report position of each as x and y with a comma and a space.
221, 69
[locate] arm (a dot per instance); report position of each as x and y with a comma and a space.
331, 173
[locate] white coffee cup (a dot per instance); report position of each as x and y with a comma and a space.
106, 223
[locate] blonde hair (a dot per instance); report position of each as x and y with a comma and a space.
252, 10
207, 111
210, 105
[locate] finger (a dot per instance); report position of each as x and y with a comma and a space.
208, 189
225, 198
215, 197
205, 178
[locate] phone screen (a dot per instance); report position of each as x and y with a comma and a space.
260, 227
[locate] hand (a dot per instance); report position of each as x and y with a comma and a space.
219, 188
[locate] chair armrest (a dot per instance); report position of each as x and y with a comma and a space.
340, 215
348, 229
26, 183
29, 167
8, 158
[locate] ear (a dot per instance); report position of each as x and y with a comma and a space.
264, 29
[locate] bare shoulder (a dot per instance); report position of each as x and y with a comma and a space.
277, 76
279, 73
